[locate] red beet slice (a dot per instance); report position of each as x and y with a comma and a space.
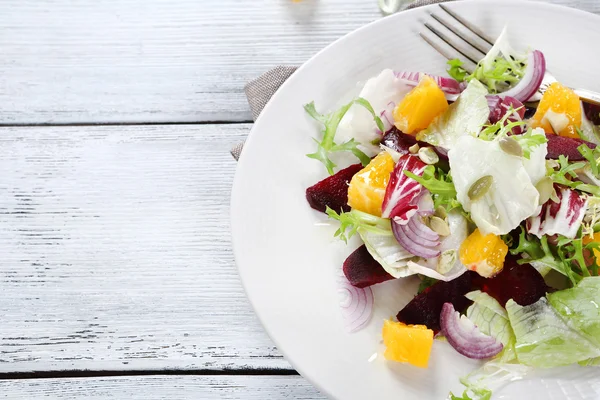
522, 283
560, 145
332, 191
592, 112
397, 140
362, 270
426, 307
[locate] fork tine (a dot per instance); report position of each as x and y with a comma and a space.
458, 33
468, 25
451, 44
444, 52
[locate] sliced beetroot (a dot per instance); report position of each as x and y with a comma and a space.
426, 307
592, 112
362, 270
560, 145
332, 191
522, 283
399, 141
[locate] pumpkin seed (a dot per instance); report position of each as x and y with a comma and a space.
480, 187
446, 261
428, 155
414, 148
511, 146
552, 164
441, 212
439, 226
545, 187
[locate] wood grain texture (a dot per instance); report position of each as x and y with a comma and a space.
158, 60
116, 251
163, 387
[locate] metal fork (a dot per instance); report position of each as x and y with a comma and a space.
476, 49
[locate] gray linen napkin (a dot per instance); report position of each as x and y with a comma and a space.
260, 90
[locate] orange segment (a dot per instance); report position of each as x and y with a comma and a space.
407, 343
367, 187
483, 254
587, 240
420, 106
559, 110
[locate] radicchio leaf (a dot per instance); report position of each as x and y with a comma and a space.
402, 193
562, 218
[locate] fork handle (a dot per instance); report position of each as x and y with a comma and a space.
588, 96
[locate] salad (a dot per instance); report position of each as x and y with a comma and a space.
494, 204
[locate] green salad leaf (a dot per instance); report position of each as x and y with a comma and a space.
352, 221
580, 307
565, 257
529, 140
593, 157
545, 339
327, 144
502, 67
440, 184
490, 317
567, 172
456, 70
465, 116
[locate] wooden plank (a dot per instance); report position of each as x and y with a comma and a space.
116, 251
163, 387
158, 60
154, 60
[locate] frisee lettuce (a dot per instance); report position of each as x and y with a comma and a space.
456, 70
593, 157
351, 222
529, 140
566, 257
440, 184
502, 67
330, 122
502, 127
567, 172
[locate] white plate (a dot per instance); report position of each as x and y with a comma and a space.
287, 261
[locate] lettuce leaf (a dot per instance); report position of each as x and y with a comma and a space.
580, 307
465, 116
490, 317
545, 339
512, 197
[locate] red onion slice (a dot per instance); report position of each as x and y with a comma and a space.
531, 81
465, 337
356, 304
412, 243
422, 230
448, 85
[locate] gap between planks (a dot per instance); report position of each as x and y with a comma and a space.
95, 124
105, 373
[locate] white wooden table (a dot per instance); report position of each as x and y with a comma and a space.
116, 270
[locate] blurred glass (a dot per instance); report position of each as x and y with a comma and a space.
391, 6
